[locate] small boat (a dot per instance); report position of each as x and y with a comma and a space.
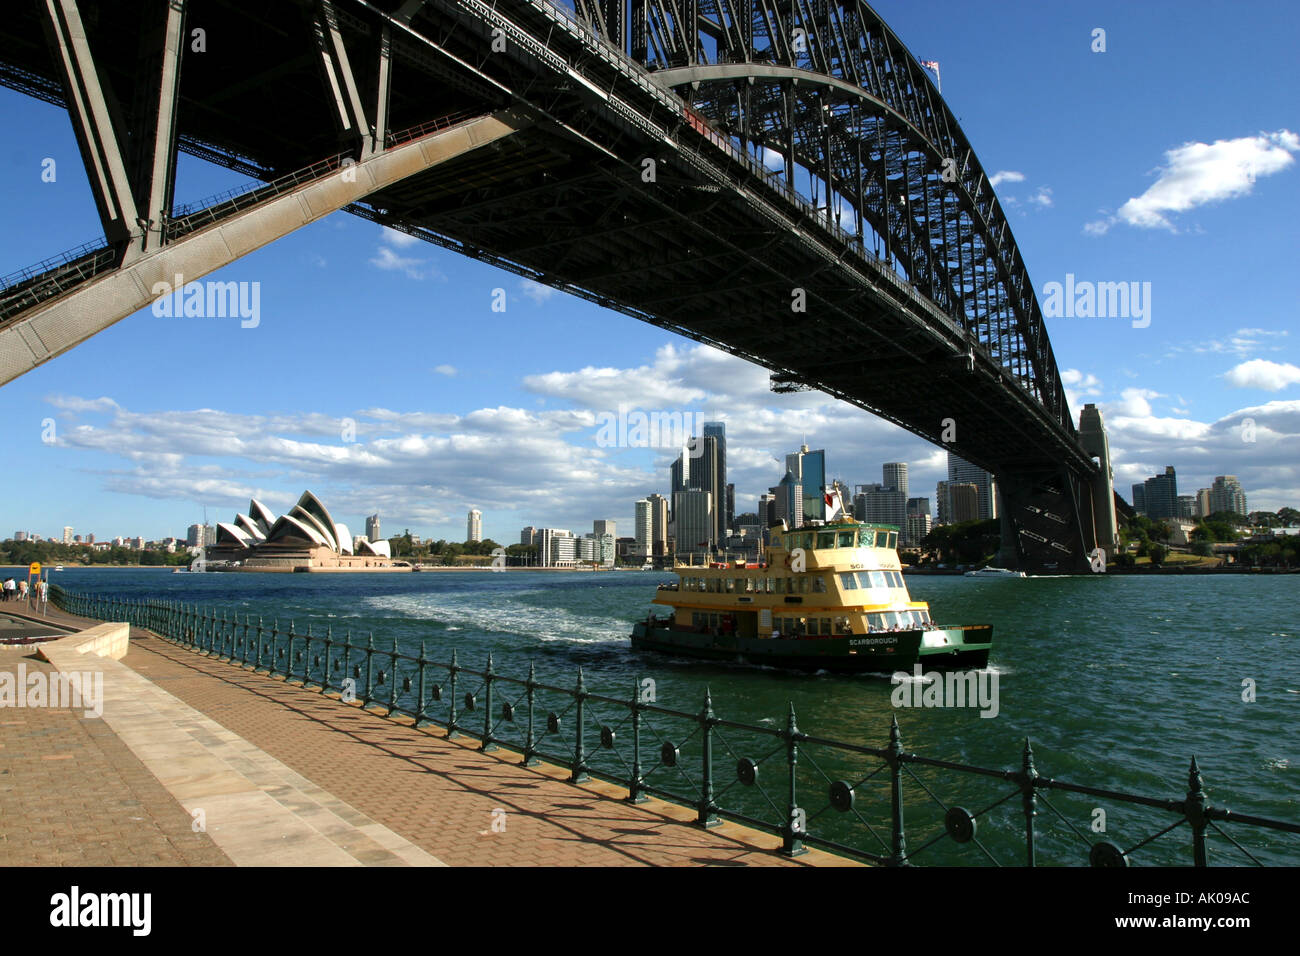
994, 573
828, 597
58, 567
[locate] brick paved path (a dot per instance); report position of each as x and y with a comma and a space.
71, 793
440, 794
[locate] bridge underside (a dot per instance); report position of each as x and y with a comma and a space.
611, 188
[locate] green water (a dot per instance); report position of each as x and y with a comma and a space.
1118, 681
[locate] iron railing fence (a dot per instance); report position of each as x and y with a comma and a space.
883, 805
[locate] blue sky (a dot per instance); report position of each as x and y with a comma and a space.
1169, 159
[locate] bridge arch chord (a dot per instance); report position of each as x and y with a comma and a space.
828, 89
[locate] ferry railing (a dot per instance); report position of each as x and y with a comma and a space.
882, 805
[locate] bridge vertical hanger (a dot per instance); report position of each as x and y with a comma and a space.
342, 86
379, 139
153, 143
93, 112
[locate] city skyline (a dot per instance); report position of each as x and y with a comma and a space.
126, 434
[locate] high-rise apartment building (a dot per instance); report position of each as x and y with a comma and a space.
603, 526
1226, 494
67, 534
1203, 502
1140, 498
372, 528
658, 525
964, 498
528, 535
1160, 493
474, 525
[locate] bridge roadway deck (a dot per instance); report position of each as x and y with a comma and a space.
74, 791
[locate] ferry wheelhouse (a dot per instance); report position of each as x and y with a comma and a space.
826, 597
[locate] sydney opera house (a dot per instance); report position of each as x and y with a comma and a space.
304, 539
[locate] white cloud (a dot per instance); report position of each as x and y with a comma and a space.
536, 291
1263, 374
1042, 198
448, 370
1242, 342
1195, 174
1006, 176
401, 240
1136, 402
390, 261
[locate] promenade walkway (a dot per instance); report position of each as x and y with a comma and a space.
289, 775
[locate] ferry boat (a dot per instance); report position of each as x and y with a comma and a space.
828, 597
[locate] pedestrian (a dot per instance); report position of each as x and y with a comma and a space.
22, 590
9, 589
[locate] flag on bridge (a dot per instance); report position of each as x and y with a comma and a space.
933, 67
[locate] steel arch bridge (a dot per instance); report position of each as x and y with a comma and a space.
778, 178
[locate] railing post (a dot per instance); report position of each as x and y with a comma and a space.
325, 666
369, 697
791, 844
578, 772
392, 680
452, 729
347, 665
1029, 799
635, 780
419, 697
899, 855
275, 632
530, 742
488, 675
1194, 809
707, 816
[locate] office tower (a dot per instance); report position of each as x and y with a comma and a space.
194, 536
372, 528
1226, 494
602, 526
67, 534
808, 468
658, 525
730, 518
788, 503
528, 535
1187, 506
765, 509
965, 501
723, 496
918, 506
693, 513
880, 505
1161, 494
474, 525
556, 548
1140, 499
895, 476
962, 471
644, 521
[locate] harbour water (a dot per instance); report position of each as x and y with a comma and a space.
1117, 680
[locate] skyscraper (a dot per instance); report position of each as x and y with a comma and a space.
808, 468
603, 526
644, 521
880, 505
965, 498
658, 525
372, 528
724, 499
1140, 498
528, 535
962, 471
67, 534
1161, 494
895, 476
474, 525
693, 511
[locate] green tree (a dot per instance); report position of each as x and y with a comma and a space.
1157, 553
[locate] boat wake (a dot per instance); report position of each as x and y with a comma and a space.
474, 613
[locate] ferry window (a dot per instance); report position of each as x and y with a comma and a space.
749, 584
803, 585
806, 541
905, 618
826, 626
846, 539
826, 539
695, 619
731, 585
866, 538
780, 585
878, 579
848, 581
713, 620
819, 585
893, 541
895, 579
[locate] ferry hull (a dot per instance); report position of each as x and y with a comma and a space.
955, 648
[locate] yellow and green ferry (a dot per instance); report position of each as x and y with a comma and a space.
826, 597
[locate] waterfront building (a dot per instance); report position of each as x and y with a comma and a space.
528, 535
963, 472
138, 542
693, 511
556, 548
474, 525
304, 537
1226, 494
67, 534
603, 526
194, 536
1160, 494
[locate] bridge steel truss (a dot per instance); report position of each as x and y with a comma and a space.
778, 178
